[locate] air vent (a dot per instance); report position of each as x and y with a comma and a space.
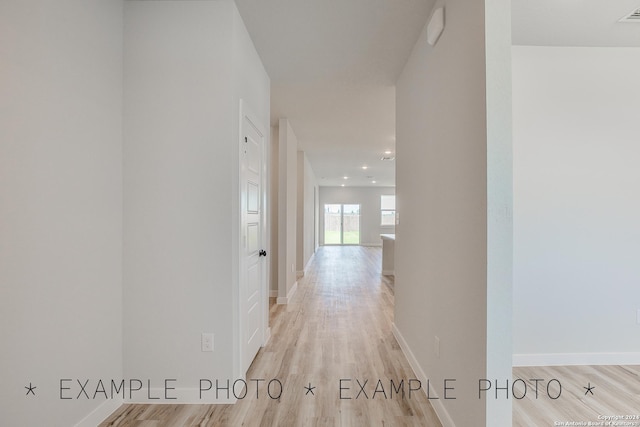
388, 158
632, 17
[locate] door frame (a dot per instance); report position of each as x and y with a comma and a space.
246, 112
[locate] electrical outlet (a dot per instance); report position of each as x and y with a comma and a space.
207, 342
436, 346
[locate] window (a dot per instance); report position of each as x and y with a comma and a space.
387, 210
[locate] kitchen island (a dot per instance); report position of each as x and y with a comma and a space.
388, 254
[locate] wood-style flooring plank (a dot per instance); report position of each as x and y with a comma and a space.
616, 391
337, 326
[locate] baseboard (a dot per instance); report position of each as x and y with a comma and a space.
183, 396
101, 413
438, 406
267, 336
388, 272
576, 359
306, 267
273, 293
292, 291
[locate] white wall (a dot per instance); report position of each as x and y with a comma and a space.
60, 204
499, 203
576, 210
442, 194
287, 212
187, 64
369, 200
274, 177
251, 85
307, 215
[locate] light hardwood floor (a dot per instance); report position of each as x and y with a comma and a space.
616, 391
338, 326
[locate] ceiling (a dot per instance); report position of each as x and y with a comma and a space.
333, 65
574, 23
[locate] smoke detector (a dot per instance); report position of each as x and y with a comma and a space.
634, 16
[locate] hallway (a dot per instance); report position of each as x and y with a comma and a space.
337, 327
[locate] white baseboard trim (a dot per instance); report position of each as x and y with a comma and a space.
101, 413
267, 336
306, 267
273, 293
184, 396
388, 272
292, 291
438, 406
576, 359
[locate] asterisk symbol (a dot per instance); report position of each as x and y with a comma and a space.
30, 389
309, 390
589, 389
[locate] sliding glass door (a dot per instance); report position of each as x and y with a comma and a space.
341, 224
350, 224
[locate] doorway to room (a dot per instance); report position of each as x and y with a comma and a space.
341, 224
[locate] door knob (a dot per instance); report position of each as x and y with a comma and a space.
262, 252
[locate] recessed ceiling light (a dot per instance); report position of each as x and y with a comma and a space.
387, 152
373, 182
365, 167
342, 185
345, 177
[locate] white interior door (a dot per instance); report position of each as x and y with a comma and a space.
253, 277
